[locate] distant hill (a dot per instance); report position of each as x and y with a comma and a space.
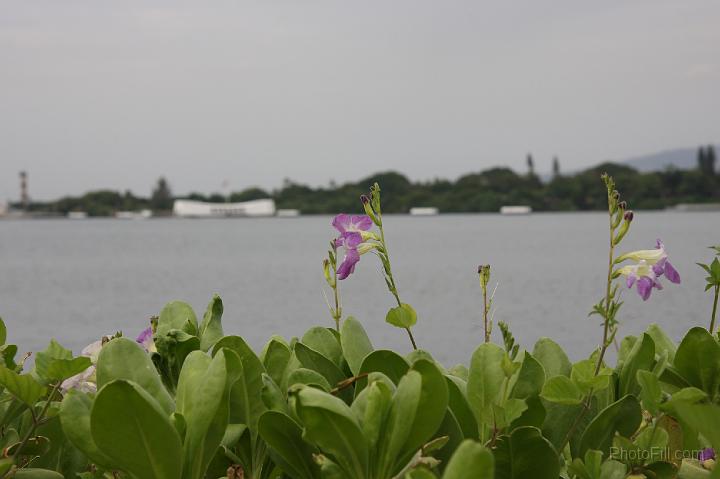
680, 158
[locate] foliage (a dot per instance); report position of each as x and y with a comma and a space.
195, 403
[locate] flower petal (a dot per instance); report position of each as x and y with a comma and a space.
644, 287
347, 267
671, 273
361, 222
341, 222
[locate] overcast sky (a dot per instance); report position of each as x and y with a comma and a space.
112, 94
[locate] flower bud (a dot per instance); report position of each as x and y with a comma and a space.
484, 272
326, 272
629, 216
622, 205
367, 206
365, 200
623, 228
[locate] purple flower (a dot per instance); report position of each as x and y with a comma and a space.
354, 240
345, 223
706, 454
651, 265
145, 339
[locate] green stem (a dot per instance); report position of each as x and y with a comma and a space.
714, 310
485, 315
36, 421
337, 314
388, 272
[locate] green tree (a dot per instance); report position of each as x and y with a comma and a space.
161, 199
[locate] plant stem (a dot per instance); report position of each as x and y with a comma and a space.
714, 310
608, 287
36, 421
485, 315
391, 280
338, 312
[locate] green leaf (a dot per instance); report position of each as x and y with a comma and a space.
61, 369
131, 428
650, 392
122, 358
315, 361
403, 316
698, 360
43, 359
75, 420
309, 378
561, 390
623, 416
211, 328
583, 375
331, 425
3, 332
23, 386
460, 407
524, 454
246, 403
202, 400
34, 473
288, 449
471, 460
485, 381
530, 379
552, 357
662, 341
355, 344
276, 359
177, 315
640, 358
704, 418
324, 342
383, 361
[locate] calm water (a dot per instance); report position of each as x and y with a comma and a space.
77, 280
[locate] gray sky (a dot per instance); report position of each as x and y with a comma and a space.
97, 94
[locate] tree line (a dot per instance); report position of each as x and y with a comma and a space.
485, 191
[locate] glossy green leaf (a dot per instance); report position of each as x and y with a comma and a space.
403, 316
309, 378
23, 386
211, 327
640, 358
471, 460
3, 332
330, 424
131, 428
698, 360
246, 404
650, 391
202, 400
34, 473
324, 342
288, 449
355, 344
177, 315
43, 359
315, 361
460, 407
485, 381
61, 369
75, 420
276, 359
552, 357
561, 390
122, 358
383, 361
662, 341
524, 454
623, 416
530, 378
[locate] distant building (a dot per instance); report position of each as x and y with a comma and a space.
202, 209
